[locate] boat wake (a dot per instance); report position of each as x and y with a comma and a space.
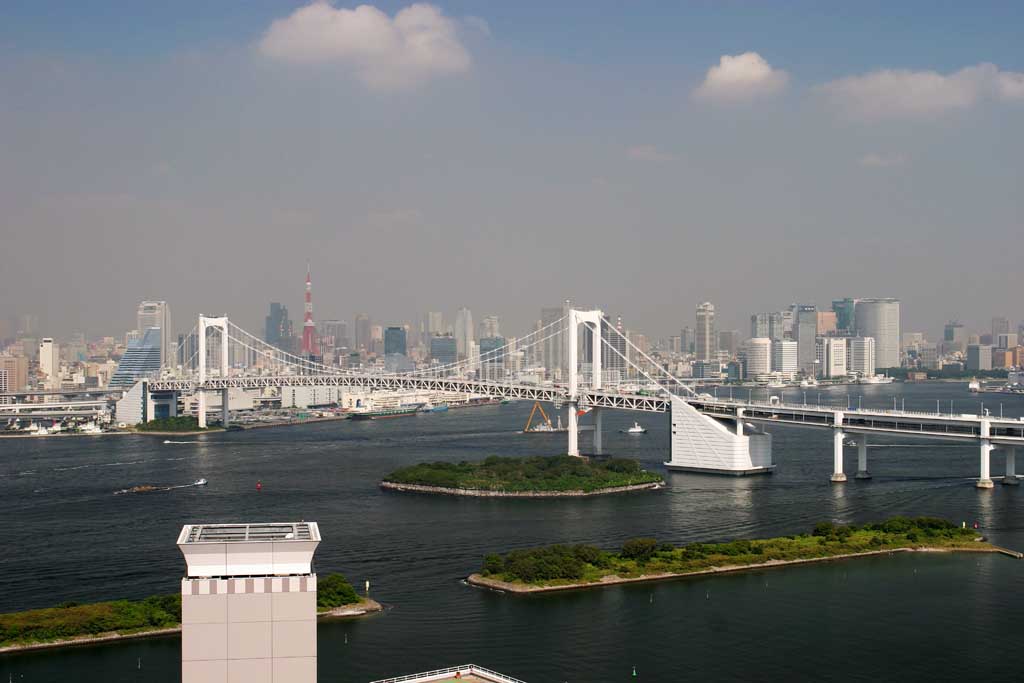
168, 441
146, 488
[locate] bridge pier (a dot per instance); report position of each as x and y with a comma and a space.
201, 408
838, 476
862, 458
224, 408
1011, 467
598, 441
574, 430
984, 478
739, 422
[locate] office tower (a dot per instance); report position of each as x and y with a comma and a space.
140, 360
880, 319
490, 326
861, 356
309, 345
278, 328
248, 602
16, 368
954, 337
334, 334
728, 341
845, 310
687, 339
158, 314
434, 324
5, 386
394, 341
928, 355
805, 327
362, 332
979, 357
1006, 340
1000, 326
776, 328
49, 362
492, 358
757, 357
706, 341
443, 350
759, 325
789, 322
827, 323
614, 353
463, 331
552, 347
831, 357
784, 356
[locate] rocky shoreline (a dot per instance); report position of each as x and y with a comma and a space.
482, 493
613, 580
363, 607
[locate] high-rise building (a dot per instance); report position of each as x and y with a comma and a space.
490, 326
443, 350
614, 353
249, 602
759, 325
728, 342
278, 328
827, 323
141, 360
16, 368
492, 358
954, 337
334, 335
831, 357
979, 357
845, 310
706, 341
394, 341
158, 314
49, 362
1006, 340
1000, 326
362, 332
463, 331
805, 327
861, 356
880, 318
784, 356
757, 357
309, 345
687, 339
553, 348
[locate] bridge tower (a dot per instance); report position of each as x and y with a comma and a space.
205, 323
592, 319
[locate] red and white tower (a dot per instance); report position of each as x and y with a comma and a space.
309, 327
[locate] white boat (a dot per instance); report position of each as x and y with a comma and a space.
775, 384
974, 386
635, 429
808, 383
200, 482
91, 428
875, 379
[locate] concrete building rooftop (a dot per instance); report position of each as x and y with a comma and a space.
249, 549
249, 533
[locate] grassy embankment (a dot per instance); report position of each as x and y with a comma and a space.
125, 618
580, 564
538, 473
181, 423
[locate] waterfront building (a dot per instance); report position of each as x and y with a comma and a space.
845, 310
362, 332
861, 356
831, 357
248, 602
805, 327
394, 341
49, 361
954, 337
707, 369
158, 314
784, 357
928, 355
140, 360
16, 368
706, 341
880, 319
463, 331
979, 357
757, 357
278, 328
443, 350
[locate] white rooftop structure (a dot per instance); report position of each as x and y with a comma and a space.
263, 549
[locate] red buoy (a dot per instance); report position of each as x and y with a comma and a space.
259, 486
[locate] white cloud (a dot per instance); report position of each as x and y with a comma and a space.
901, 93
384, 52
874, 160
648, 153
741, 78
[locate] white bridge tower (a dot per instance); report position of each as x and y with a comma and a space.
221, 324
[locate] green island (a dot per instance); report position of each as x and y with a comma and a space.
72, 623
173, 425
528, 476
560, 567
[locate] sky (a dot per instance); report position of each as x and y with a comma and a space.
638, 157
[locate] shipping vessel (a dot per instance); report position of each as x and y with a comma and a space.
401, 411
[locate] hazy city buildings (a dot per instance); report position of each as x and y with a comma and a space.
362, 331
464, 331
443, 350
158, 314
706, 340
861, 354
757, 357
880, 319
394, 341
49, 362
979, 357
954, 337
805, 328
553, 351
831, 357
845, 311
784, 357
278, 328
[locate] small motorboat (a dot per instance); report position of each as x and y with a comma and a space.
635, 429
200, 482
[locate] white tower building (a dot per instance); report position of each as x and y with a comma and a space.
880, 319
757, 354
862, 356
784, 357
158, 314
49, 362
248, 602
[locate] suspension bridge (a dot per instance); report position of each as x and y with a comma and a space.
708, 434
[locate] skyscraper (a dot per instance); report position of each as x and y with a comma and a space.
861, 356
784, 358
278, 328
831, 356
463, 331
805, 328
490, 326
687, 339
140, 360
158, 314
954, 337
615, 335
706, 342
362, 331
394, 341
1000, 326
443, 351
759, 325
757, 357
49, 362
728, 341
880, 318
845, 310
309, 345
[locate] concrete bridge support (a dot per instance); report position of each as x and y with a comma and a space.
574, 429
1011, 467
201, 408
598, 440
985, 453
862, 458
838, 436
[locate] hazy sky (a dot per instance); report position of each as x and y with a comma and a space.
640, 157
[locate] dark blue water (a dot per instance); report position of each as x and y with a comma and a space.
66, 537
